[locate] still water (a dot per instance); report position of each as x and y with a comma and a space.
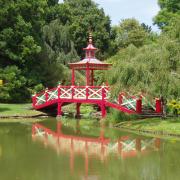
53, 151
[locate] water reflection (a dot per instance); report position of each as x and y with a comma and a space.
99, 147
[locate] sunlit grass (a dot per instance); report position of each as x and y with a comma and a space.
17, 110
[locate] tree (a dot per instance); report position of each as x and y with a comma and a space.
14, 89
129, 32
152, 68
173, 29
58, 44
52, 2
58, 51
170, 9
147, 28
85, 16
20, 25
58, 11
170, 5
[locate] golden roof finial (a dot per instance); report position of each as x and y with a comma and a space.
90, 38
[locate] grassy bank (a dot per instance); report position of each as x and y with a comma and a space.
169, 126
10, 113
16, 109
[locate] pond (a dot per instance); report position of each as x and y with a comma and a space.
50, 150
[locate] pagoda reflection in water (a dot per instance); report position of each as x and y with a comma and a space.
98, 147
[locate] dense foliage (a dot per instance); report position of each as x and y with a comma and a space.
20, 43
38, 39
153, 69
153, 66
129, 32
169, 13
85, 17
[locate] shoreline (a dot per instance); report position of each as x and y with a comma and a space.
167, 128
20, 120
23, 116
120, 126
125, 126
151, 133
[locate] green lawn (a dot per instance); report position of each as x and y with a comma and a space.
17, 110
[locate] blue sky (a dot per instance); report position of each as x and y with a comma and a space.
143, 10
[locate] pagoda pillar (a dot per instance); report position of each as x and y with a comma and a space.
92, 77
73, 77
87, 75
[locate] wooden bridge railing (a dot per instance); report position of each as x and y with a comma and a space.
71, 93
94, 94
137, 103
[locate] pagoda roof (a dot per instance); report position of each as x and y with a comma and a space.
90, 47
90, 60
91, 64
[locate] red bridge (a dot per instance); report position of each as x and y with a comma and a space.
100, 95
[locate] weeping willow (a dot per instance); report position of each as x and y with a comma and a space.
57, 43
153, 69
58, 51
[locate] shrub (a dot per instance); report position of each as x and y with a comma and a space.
174, 107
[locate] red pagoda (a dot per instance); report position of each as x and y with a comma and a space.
90, 63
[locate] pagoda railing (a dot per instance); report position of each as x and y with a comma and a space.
71, 93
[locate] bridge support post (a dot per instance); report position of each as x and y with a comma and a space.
78, 115
158, 106
46, 94
103, 110
139, 106
120, 98
59, 109
103, 107
34, 100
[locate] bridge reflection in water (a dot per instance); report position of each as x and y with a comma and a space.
100, 147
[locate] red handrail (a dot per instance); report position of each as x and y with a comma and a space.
46, 92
